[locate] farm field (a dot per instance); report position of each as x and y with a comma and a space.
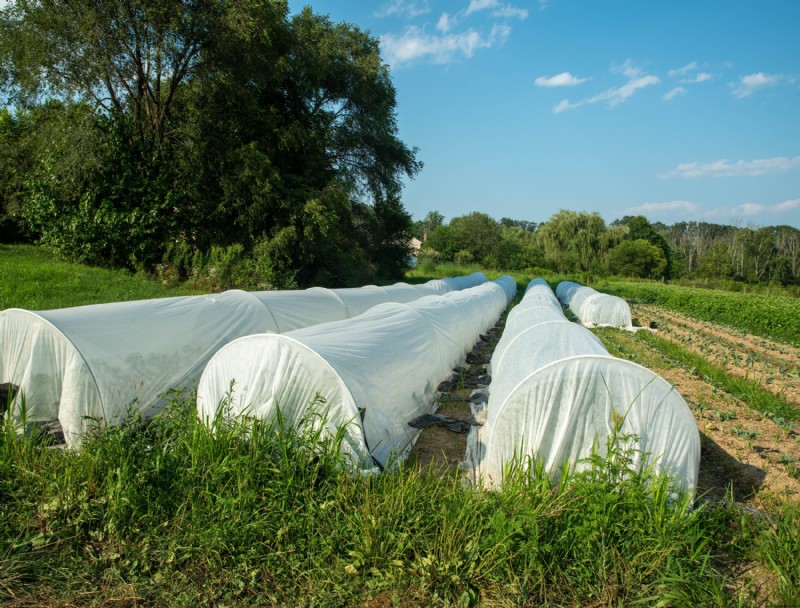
248, 514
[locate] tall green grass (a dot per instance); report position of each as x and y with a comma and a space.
34, 279
256, 513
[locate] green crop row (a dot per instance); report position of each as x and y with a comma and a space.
775, 317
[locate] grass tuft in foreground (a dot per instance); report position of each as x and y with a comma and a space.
259, 514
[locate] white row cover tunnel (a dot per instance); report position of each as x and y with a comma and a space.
104, 362
594, 309
556, 392
373, 373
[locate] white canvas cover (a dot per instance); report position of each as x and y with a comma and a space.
89, 363
594, 309
603, 310
434, 287
293, 309
509, 286
537, 282
465, 281
556, 392
386, 362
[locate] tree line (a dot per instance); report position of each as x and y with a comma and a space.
183, 135
572, 242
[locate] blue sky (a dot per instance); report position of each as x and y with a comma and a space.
674, 109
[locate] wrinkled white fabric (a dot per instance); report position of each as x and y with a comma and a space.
107, 361
387, 362
556, 393
594, 308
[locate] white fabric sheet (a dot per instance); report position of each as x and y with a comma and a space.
556, 393
387, 362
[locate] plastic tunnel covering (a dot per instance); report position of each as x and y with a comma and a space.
92, 362
373, 373
555, 391
103, 362
466, 281
509, 286
594, 308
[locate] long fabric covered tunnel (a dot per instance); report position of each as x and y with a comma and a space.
369, 375
594, 309
556, 392
102, 363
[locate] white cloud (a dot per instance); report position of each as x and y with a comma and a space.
480, 5
750, 209
682, 71
403, 8
674, 93
564, 79
565, 105
725, 168
670, 208
787, 205
686, 209
511, 12
414, 44
445, 23
616, 95
500, 33
751, 83
627, 69
701, 77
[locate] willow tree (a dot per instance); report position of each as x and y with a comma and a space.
574, 240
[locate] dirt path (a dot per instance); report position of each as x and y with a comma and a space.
438, 450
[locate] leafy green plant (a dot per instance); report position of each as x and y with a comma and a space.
769, 316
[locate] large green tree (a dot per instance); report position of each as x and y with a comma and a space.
639, 227
212, 123
474, 237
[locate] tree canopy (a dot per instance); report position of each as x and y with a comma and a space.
577, 243
206, 123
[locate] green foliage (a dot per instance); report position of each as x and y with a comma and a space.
575, 241
639, 228
211, 124
769, 316
34, 279
637, 259
475, 234
780, 549
257, 513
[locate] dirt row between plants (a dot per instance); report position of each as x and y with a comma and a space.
438, 449
775, 366
743, 452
